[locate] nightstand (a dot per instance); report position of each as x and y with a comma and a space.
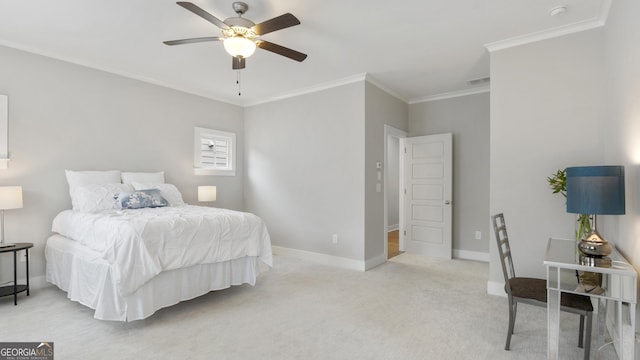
16, 288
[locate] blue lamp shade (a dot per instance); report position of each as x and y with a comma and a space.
595, 190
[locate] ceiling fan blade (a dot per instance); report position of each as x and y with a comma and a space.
203, 14
238, 63
193, 40
281, 50
277, 23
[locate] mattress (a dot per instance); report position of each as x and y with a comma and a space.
140, 244
88, 279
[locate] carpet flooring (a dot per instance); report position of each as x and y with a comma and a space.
411, 307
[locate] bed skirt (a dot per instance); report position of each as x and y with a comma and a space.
86, 278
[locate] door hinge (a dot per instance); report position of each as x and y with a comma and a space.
404, 233
405, 191
405, 149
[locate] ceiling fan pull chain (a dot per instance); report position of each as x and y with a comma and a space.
238, 82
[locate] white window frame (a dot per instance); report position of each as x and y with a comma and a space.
202, 134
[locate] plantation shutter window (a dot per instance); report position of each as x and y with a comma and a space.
214, 152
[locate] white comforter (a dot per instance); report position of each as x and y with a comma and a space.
141, 243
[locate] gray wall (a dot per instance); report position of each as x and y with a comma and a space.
467, 117
65, 116
622, 119
305, 170
380, 109
546, 114
311, 169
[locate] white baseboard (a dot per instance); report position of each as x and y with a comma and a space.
391, 228
324, 259
38, 282
471, 255
496, 288
371, 263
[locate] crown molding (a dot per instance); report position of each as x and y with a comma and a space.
373, 81
308, 90
449, 95
112, 71
579, 26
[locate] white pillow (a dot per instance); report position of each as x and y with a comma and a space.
168, 191
143, 177
76, 179
97, 197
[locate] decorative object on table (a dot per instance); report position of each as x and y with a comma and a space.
207, 193
588, 282
558, 183
10, 198
596, 190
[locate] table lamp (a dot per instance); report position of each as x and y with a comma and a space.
206, 193
10, 198
595, 190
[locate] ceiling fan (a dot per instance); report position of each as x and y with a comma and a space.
241, 36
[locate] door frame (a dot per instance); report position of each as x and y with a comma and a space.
390, 131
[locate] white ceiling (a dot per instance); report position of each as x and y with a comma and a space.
415, 49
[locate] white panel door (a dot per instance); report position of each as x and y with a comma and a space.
427, 195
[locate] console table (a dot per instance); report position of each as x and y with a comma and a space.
616, 306
15, 288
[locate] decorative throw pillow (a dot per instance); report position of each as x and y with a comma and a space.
140, 199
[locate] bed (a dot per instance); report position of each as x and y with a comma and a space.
130, 246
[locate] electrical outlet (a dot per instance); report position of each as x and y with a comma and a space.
478, 235
334, 239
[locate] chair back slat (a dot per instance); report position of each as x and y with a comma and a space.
502, 240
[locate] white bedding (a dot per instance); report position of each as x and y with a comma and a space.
140, 244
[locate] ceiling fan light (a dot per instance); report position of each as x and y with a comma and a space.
239, 46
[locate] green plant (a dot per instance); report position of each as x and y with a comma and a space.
558, 183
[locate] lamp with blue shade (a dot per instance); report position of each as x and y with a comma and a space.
595, 190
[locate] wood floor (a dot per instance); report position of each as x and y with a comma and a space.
393, 240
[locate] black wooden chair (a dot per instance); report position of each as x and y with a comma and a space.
534, 291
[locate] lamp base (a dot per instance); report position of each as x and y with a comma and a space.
595, 245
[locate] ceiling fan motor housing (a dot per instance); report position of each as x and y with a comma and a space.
240, 8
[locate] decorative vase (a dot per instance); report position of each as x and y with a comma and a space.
588, 281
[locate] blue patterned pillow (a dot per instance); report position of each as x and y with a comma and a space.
140, 199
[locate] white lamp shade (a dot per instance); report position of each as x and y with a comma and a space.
239, 46
10, 197
206, 193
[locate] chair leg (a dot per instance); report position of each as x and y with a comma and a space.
581, 333
513, 307
587, 341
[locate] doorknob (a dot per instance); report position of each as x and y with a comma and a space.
447, 202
